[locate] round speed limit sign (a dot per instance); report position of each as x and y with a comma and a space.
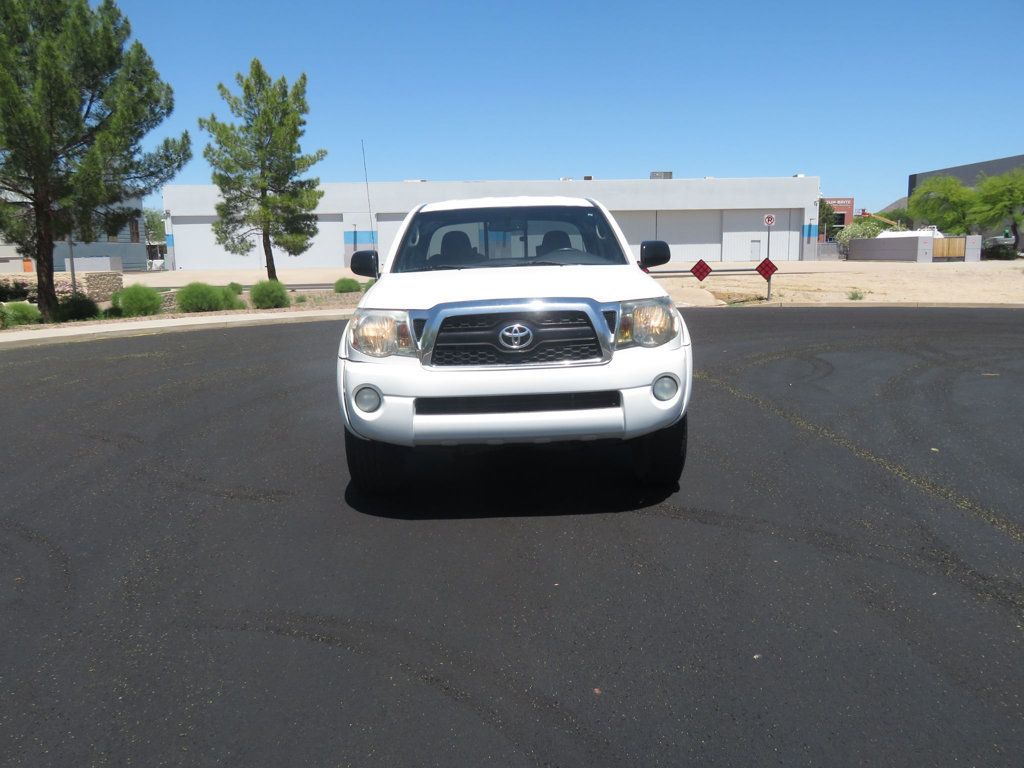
769, 219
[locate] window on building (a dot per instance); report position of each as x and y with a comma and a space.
133, 230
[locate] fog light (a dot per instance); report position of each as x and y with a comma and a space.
665, 388
367, 399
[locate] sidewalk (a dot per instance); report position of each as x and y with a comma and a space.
85, 330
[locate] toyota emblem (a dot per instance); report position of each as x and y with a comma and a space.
515, 336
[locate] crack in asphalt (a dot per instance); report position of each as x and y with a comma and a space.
494, 696
1007, 527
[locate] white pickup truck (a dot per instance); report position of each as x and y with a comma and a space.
513, 320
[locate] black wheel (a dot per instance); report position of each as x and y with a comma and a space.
659, 458
373, 466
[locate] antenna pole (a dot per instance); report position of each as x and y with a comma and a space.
369, 209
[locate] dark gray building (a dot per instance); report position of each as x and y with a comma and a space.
968, 174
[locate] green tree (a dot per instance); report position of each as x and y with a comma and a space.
154, 226
901, 216
258, 165
863, 228
826, 218
76, 100
1000, 200
945, 202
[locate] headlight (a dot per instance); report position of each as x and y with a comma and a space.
646, 323
381, 333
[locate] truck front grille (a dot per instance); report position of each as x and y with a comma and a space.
556, 337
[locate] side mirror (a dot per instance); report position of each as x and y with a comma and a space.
365, 263
654, 253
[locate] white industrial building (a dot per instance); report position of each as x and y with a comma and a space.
125, 250
710, 219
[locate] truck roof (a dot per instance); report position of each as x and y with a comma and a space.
506, 202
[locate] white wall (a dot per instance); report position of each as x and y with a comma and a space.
692, 235
195, 247
712, 219
637, 226
740, 228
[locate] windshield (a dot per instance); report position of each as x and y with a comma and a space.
472, 238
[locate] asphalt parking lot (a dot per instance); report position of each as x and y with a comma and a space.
187, 579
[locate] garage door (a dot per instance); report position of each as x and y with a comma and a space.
691, 235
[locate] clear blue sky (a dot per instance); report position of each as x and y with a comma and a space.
858, 93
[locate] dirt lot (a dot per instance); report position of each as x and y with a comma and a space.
808, 282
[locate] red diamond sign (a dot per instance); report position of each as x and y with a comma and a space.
700, 270
766, 269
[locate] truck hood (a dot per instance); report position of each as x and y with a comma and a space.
423, 290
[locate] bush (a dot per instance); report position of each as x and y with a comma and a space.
1001, 252
202, 297
300, 299
78, 306
111, 312
268, 294
19, 313
347, 285
236, 288
13, 289
231, 299
137, 300
368, 285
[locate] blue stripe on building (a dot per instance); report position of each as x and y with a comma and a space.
361, 237
170, 240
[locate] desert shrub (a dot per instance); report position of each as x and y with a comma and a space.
368, 284
1001, 252
347, 285
201, 297
12, 289
19, 313
300, 299
111, 312
267, 294
137, 300
236, 288
78, 306
855, 295
231, 299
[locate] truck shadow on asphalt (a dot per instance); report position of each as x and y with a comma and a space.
511, 481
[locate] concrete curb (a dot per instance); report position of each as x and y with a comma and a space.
92, 331
875, 305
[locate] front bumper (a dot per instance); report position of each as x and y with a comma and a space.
401, 380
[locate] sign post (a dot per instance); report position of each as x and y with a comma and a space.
769, 222
71, 261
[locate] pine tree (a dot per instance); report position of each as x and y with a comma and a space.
76, 100
258, 165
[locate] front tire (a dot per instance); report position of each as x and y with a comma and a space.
372, 465
659, 458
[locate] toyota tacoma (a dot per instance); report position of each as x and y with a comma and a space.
513, 320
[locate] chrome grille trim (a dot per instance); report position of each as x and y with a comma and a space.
595, 312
